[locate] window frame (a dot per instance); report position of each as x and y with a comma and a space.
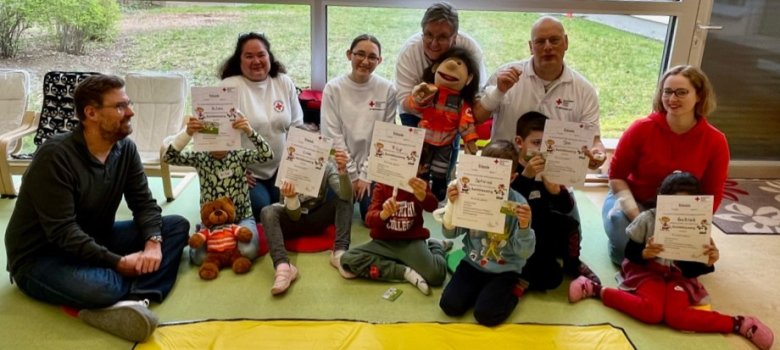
684, 40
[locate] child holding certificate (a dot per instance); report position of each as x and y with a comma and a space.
557, 234
302, 213
655, 290
222, 174
398, 250
489, 286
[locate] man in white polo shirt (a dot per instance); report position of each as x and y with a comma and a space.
541, 83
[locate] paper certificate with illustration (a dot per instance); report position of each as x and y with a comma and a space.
395, 154
303, 161
562, 148
483, 183
682, 225
216, 108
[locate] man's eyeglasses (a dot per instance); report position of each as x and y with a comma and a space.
554, 41
440, 39
677, 92
362, 56
120, 107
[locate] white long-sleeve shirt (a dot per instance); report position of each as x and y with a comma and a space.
272, 108
349, 111
412, 63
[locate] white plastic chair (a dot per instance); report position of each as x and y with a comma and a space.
14, 118
159, 103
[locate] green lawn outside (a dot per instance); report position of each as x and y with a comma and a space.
622, 66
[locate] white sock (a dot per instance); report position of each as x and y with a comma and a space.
416, 280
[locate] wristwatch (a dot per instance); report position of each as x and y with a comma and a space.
155, 238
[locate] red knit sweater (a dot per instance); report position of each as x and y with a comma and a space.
404, 224
649, 151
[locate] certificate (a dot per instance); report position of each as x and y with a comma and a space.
395, 154
562, 147
216, 108
682, 225
303, 161
483, 183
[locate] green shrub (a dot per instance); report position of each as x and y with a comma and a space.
78, 21
16, 16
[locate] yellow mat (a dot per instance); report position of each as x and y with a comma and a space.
289, 335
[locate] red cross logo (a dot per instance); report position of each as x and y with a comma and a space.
278, 106
495, 161
371, 104
558, 101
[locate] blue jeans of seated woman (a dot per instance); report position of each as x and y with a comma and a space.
60, 279
615, 224
262, 195
248, 249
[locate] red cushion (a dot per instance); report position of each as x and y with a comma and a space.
262, 248
304, 242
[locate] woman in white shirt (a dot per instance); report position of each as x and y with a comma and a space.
350, 105
267, 97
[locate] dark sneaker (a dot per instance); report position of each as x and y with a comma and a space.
130, 320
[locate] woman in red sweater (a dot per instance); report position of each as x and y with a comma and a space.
676, 136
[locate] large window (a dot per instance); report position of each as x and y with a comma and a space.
608, 43
188, 37
621, 55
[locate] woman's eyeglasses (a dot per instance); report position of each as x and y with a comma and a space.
677, 92
362, 56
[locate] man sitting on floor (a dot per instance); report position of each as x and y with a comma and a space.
63, 244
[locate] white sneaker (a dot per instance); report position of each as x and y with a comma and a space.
129, 319
335, 261
416, 280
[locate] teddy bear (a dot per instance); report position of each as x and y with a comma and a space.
221, 236
445, 107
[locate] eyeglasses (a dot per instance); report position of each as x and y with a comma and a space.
362, 56
440, 39
554, 41
120, 107
677, 92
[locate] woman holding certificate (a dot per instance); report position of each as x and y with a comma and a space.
267, 97
675, 136
351, 104
656, 290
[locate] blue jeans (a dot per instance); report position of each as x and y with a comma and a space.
248, 249
64, 280
262, 195
615, 224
